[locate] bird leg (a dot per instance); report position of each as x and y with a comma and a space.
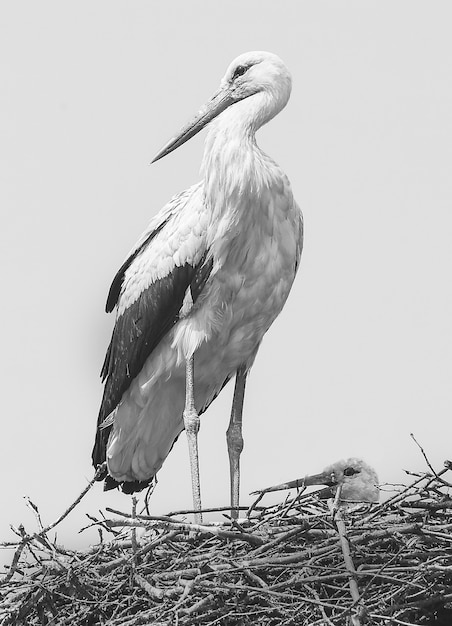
235, 439
191, 423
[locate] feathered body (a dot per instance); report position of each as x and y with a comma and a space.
207, 278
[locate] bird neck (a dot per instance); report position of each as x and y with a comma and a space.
233, 165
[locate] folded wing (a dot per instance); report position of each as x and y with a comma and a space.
169, 265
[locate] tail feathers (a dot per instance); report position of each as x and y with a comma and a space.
128, 487
143, 434
146, 425
110, 483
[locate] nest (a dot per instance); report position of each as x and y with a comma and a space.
303, 561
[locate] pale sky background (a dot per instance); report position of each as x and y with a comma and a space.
361, 355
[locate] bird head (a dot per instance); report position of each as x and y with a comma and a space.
358, 481
257, 72
249, 75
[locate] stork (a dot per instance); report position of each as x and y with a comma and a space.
357, 479
201, 287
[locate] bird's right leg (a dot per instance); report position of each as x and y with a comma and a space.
235, 439
191, 423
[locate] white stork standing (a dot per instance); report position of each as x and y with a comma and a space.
201, 287
357, 479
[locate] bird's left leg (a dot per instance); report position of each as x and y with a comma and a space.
235, 439
191, 423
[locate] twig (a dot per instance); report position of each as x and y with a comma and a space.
187, 526
98, 473
108, 567
197, 606
213, 509
155, 592
343, 539
133, 534
430, 466
35, 510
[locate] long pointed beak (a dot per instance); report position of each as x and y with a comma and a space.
216, 105
324, 478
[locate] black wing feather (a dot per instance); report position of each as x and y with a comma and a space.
138, 331
115, 289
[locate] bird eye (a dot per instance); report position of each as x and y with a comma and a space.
239, 71
350, 471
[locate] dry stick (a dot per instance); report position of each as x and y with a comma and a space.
278, 510
197, 606
143, 618
398, 497
322, 609
254, 505
282, 513
103, 569
353, 584
269, 592
168, 519
186, 592
146, 518
431, 506
271, 544
255, 578
323, 578
134, 533
41, 535
432, 479
15, 561
294, 557
98, 473
149, 492
221, 618
155, 592
187, 526
35, 510
440, 597
383, 567
213, 509
436, 475
393, 620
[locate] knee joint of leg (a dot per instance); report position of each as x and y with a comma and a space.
234, 437
191, 421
